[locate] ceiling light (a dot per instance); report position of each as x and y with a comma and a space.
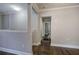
16, 8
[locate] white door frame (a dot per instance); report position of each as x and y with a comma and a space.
43, 26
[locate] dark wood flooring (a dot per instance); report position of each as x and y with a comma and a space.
43, 50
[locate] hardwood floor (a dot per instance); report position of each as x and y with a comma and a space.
43, 50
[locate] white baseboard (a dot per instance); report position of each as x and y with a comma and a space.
14, 51
36, 43
67, 46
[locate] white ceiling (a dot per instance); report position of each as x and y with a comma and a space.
54, 5
6, 7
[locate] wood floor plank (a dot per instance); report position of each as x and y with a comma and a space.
52, 50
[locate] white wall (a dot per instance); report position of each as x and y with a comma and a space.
34, 20
18, 21
5, 22
0, 21
14, 41
15, 21
18, 41
64, 26
35, 38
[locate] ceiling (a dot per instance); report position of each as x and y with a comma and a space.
54, 5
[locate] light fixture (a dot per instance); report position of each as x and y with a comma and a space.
15, 7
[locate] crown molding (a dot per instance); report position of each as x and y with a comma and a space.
50, 9
34, 5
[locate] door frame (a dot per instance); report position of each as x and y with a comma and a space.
43, 24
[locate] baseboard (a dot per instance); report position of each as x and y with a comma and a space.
67, 46
14, 51
36, 43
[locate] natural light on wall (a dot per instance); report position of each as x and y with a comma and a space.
16, 8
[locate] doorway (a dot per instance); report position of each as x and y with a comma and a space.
45, 46
46, 21
46, 29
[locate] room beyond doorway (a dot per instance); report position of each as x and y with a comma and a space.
46, 25
46, 21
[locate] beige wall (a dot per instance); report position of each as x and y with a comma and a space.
64, 26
